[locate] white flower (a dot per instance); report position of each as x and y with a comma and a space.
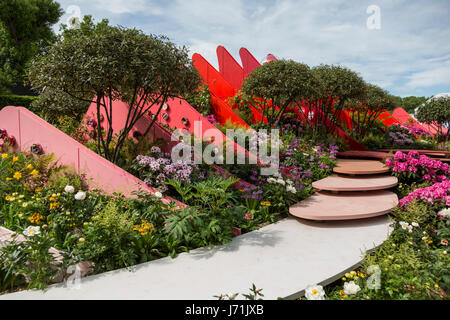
289, 181
158, 194
404, 225
281, 181
32, 231
292, 189
271, 180
445, 213
415, 224
69, 189
80, 195
351, 288
315, 292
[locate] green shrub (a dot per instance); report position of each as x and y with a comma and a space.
18, 101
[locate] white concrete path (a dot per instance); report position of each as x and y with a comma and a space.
281, 258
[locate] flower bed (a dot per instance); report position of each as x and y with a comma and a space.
413, 263
419, 168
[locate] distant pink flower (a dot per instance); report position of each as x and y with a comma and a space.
248, 216
444, 242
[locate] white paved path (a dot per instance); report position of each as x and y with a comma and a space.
282, 259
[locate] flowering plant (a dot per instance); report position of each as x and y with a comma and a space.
413, 167
158, 168
6, 141
400, 135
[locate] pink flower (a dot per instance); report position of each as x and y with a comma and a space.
248, 216
444, 242
389, 162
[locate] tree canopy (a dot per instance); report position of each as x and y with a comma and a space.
104, 63
365, 110
25, 29
436, 112
278, 84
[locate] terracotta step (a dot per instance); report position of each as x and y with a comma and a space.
355, 183
323, 206
357, 167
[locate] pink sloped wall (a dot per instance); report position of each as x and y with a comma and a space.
29, 129
176, 111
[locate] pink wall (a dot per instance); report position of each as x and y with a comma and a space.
29, 129
177, 109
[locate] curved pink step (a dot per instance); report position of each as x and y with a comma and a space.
355, 183
345, 206
357, 167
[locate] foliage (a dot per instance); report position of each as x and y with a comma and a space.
25, 30
277, 85
336, 87
200, 99
113, 63
366, 110
30, 260
19, 101
374, 141
252, 295
436, 112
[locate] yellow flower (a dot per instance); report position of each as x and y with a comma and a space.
29, 167
34, 172
9, 179
144, 228
36, 218
4, 155
17, 175
15, 159
54, 205
38, 190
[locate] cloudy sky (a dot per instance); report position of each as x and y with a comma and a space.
406, 50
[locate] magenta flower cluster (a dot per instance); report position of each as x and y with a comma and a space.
413, 166
212, 119
418, 132
439, 192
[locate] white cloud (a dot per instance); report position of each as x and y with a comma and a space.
439, 75
410, 52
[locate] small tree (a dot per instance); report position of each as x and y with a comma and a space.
277, 85
436, 112
114, 63
337, 87
53, 102
25, 29
366, 110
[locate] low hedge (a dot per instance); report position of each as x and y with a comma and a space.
18, 101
